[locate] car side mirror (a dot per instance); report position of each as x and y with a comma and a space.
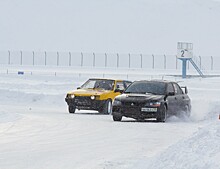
78, 88
118, 90
185, 90
171, 93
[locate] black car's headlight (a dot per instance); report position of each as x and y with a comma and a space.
116, 103
154, 104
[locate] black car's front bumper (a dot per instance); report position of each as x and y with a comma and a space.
85, 103
136, 112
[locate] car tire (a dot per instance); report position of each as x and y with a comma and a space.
116, 117
107, 108
72, 109
163, 114
187, 111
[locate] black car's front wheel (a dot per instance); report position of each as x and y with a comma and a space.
116, 117
162, 115
72, 109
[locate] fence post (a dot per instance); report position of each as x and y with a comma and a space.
45, 58
9, 57
129, 60
176, 62
153, 62
188, 65
165, 62
21, 57
81, 59
70, 58
117, 60
57, 58
93, 59
105, 59
141, 61
200, 62
211, 62
33, 58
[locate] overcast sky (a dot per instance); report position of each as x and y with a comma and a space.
124, 26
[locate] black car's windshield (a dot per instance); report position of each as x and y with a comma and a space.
157, 88
98, 83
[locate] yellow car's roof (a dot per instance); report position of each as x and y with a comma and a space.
106, 79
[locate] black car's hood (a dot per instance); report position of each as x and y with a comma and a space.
139, 97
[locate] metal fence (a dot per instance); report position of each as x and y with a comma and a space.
115, 60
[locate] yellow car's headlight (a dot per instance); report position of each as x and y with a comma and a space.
92, 97
72, 96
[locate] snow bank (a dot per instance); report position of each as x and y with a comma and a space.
21, 98
201, 151
8, 117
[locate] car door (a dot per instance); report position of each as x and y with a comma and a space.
179, 97
118, 85
172, 101
183, 98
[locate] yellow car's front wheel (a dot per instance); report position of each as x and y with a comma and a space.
72, 109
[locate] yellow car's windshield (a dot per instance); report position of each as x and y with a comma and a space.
98, 84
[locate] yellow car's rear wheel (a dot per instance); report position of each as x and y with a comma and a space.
106, 108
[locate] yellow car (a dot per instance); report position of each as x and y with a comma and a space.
96, 94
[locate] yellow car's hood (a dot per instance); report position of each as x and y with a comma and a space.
89, 92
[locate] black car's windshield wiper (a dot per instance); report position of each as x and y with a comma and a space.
154, 93
127, 92
150, 93
134, 92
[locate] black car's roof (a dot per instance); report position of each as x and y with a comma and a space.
156, 80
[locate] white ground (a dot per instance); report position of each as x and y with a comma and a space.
36, 131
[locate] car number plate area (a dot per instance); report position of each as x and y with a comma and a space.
145, 109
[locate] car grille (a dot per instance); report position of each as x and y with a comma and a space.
131, 110
133, 104
83, 100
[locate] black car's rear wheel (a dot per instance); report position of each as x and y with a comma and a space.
72, 109
162, 115
107, 107
187, 111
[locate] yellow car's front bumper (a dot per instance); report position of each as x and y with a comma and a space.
85, 103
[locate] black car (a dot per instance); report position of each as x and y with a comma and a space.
151, 99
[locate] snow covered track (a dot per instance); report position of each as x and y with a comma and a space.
37, 132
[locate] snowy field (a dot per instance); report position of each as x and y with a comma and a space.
37, 132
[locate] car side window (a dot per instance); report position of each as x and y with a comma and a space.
177, 89
170, 88
127, 84
120, 85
